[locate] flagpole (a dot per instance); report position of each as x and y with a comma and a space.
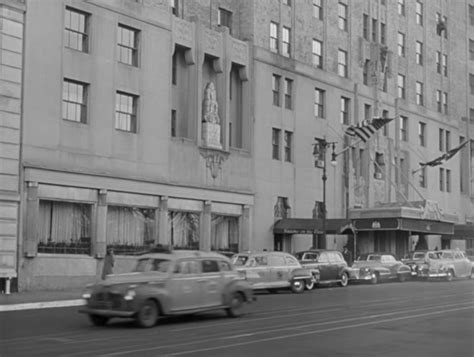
348, 147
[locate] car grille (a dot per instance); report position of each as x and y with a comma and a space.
107, 300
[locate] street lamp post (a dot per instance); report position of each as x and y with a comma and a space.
320, 149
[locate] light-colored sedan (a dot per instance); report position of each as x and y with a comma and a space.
446, 264
168, 283
273, 271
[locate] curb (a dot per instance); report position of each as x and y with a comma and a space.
42, 305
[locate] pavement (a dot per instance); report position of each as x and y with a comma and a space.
40, 299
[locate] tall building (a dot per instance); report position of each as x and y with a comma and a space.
194, 123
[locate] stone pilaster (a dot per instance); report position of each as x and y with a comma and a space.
99, 247
205, 238
163, 222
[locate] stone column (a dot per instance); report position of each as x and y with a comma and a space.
205, 238
31, 222
244, 243
100, 244
163, 222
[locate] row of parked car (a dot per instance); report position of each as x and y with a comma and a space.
186, 282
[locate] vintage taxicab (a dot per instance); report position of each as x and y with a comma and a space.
446, 264
169, 283
374, 267
273, 271
414, 258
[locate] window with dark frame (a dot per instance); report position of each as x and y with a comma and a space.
375, 27
439, 106
288, 143
385, 127
174, 7
441, 179
319, 95
286, 42
317, 53
445, 102
174, 68
383, 33
342, 16
345, 102
74, 104
77, 29
471, 15
438, 61
276, 89
126, 112
444, 64
401, 86
173, 123
318, 9
276, 133
403, 128
365, 72
401, 44
422, 133
401, 7
342, 63
419, 53
365, 26
288, 93
441, 140
128, 45
447, 143
471, 49
422, 177
274, 37
419, 93
448, 180
419, 13
224, 18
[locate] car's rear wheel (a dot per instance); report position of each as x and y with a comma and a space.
98, 320
147, 314
297, 286
236, 307
375, 278
309, 285
449, 275
344, 280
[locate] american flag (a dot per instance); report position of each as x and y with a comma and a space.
445, 157
367, 128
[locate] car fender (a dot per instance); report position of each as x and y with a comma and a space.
404, 269
344, 270
237, 285
301, 273
156, 293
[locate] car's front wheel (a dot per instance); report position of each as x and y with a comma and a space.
98, 320
375, 278
147, 314
236, 307
449, 275
344, 280
297, 286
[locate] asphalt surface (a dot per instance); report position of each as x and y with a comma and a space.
391, 319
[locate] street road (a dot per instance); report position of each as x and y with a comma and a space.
391, 319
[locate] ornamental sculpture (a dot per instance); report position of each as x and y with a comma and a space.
211, 127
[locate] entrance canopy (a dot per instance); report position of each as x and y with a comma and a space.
464, 231
403, 224
310, 226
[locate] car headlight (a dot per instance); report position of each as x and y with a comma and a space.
87, 294
365, 270
130, 295
242, 274
442, 268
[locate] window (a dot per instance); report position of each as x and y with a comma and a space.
342, 12
445, 65
224, 233
438, 61
383, 33
422, 177
342, 63
345, 102
401, 44
367, 111
419, 53
174, 68
318, 53
130, 229
74, 101
401, 7
445, 102
385, 127
403, 128
288, 93
441, 25
419, 93
471, 83
441, 179
439, 106
288, 142
401, 86
422, 133
276, 89
210, 266
441, 140
379, 164
319, 102
77, 30
471, 15
471, 50
318, 9
282, 208
374, 30
126, 112
276, 133
64, 227
287, 2
224, 18
174, 7
448, 140
173, 123
366, 72
127, 45
286, 44
274, 37
183, 229
419, 13
365, 27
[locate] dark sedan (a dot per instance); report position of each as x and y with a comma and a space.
374, 267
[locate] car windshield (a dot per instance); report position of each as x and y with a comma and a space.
369, 257
152, 264
239, 260
418, 255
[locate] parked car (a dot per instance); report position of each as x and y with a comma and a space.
414, 258
447, 264
273, 271
375, 267
330, 264
169, 283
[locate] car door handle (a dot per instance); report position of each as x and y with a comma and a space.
201, 280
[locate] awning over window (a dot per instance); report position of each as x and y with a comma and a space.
464, 231
309, 226
403, 224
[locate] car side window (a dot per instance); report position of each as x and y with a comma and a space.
334, 257
310, 256
458, 255
224, 266
323, 258
432, 256
209, 266
276, 260
447, 255
187, 267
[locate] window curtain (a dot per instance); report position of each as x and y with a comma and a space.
224, 233
129, 228
183, 229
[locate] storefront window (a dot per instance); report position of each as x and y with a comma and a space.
225, 233
130, 230
183, 229
64, 227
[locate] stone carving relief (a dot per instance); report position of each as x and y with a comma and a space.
183, 32
214, 160
213, 41
359, 193
239, 52
211, 127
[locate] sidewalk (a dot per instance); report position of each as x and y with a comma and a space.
40, 299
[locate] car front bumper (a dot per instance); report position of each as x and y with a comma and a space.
106, 313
